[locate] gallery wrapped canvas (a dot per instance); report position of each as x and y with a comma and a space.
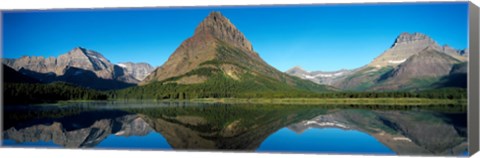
362, 79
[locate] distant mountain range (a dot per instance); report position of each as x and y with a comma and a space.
320, 77
82, 67
414, 62
137, 70
219, 61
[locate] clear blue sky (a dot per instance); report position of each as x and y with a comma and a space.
317, 37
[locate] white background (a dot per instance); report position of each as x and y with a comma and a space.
74, 153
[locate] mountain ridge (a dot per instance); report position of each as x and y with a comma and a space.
138, 70
81, 60
404, 47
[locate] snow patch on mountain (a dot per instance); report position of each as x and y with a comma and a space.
122, 65
396, 61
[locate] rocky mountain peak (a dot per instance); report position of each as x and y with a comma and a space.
297, 69
218, 26
215, 32
88, 53
78, 51
405, 45
138, 70
407, 38
85, 59
319, 77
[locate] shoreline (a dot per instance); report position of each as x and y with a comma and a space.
299, 101
337, 101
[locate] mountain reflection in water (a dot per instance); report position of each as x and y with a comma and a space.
194, 126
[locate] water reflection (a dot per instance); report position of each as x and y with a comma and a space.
325, 140
319, 129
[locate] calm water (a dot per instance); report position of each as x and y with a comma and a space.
255, 128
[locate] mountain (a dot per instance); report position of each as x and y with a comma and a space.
420, 70
457, 74
297, 71
12, 76
79, 66
138, 70
407, 45
319, 77
415, 61
218, 53
214, 33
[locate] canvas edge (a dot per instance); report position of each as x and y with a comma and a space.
473, 79
473, 64
1, 77
235, 5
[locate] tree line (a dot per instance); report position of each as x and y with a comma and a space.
15, 93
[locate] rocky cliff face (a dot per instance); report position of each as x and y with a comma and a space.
220, 27
79, 66
138, 70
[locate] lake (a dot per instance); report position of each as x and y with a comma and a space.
333, 129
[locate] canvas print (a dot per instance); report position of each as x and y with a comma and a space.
374, 79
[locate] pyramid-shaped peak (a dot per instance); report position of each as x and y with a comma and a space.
216, 14
218, 26
216, 17
215, 20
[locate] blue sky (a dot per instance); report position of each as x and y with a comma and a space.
316, 37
